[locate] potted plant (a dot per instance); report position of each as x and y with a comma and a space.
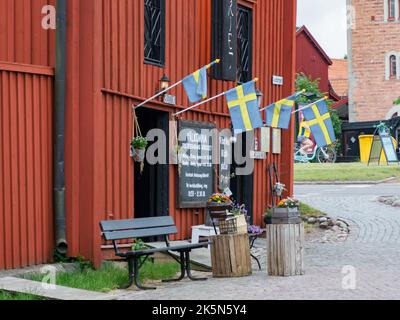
241, 214
138, 148
268, 217
218, 206
287, 211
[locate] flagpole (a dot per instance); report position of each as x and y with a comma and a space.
205, 101
171, 87
298, 93
309, 105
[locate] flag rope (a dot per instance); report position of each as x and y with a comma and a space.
171, 87
205, 101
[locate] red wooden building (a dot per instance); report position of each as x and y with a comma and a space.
312, 60
114, 61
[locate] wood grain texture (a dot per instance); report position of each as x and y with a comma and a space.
230, 256
285, 250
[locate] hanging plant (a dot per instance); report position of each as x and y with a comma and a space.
138, 146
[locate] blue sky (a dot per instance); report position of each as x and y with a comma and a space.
327, 21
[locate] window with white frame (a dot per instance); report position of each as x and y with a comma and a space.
392, 10
392, 65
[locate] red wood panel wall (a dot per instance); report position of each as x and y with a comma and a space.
22, 38
311, 62
125, 80
26, 219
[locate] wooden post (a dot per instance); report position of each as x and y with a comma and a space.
285, 249
230, 256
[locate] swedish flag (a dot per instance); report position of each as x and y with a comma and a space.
278, 114
243, 107
320, 122
196, 85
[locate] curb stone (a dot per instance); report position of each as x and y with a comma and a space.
305, 183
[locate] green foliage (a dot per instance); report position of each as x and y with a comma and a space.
138, 245
311, 87
110, 277
397, 101
344, 172
313, 93
307, 211
7, 296
139, 143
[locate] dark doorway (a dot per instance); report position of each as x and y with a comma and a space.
242, 187
152, 185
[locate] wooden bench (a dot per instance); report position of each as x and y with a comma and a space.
117, 230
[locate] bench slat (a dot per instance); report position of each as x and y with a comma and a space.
140, 223
140, 233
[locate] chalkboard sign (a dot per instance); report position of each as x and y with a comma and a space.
196, 170
389, 148
224, 39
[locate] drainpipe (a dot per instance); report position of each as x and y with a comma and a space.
59, 126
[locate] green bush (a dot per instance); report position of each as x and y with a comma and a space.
397, 101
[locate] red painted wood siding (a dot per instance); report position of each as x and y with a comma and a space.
26, 103
113, 76
26, 222
22, 38
105, 76
311, 62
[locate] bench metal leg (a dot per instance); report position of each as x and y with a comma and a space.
131, 275
183, 270
133, 269
188, 271
137, 281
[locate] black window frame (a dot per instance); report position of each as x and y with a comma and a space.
159, 62
249, 70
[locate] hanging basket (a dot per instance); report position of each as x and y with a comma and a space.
139, 155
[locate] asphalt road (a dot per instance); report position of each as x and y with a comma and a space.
347, 190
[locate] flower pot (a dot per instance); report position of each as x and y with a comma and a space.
285, 212
139, 155
241, 224
217, 211
286, 216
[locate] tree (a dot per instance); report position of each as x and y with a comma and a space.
313, 93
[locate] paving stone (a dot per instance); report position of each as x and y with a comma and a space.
372, 248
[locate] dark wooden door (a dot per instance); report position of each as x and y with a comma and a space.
152, 185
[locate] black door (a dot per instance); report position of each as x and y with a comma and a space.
152, 185
242, 187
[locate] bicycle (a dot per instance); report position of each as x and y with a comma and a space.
323, 155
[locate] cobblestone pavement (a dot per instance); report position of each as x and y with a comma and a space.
372, 251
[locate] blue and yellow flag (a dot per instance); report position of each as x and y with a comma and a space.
243, 107
304, 131
320, 122
196, 85
278, 114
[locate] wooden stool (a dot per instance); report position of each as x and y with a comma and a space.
230, 256
285, 249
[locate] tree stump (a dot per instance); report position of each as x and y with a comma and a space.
285, 249
230, 256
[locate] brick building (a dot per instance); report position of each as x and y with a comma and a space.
374, 59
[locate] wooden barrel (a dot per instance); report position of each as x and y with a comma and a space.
285, 249
230, 256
